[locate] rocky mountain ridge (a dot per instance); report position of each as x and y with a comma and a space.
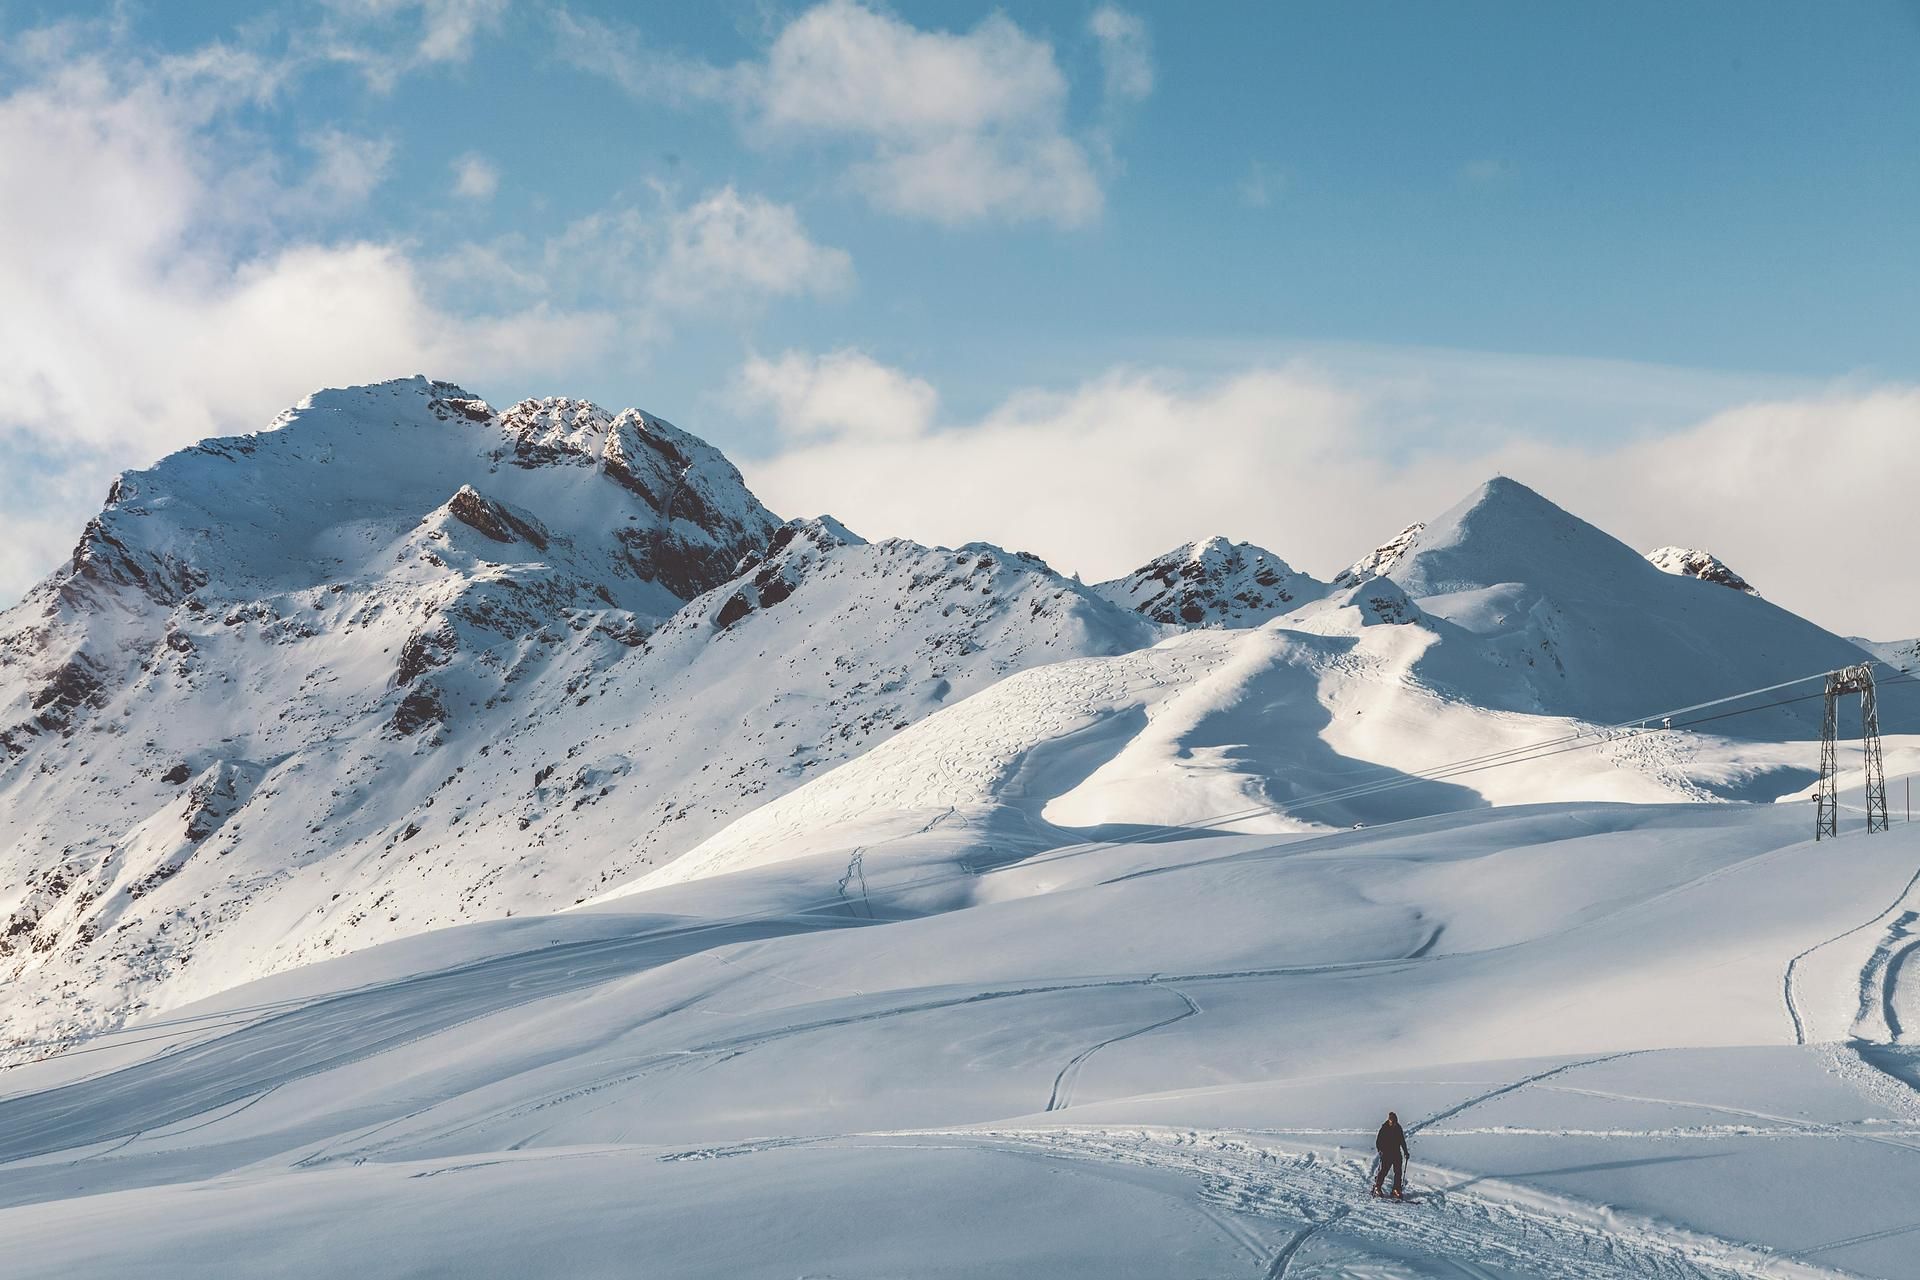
1214, 583
1691, 562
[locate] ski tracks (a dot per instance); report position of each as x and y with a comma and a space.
1525, 1234
1063, 1083
1877, 967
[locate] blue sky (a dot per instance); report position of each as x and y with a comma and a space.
1391, 246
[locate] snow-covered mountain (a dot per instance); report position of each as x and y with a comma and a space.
1691, 562
1507, 624
1215, 583
1904, 654
855, 863
1568, 620
402, 661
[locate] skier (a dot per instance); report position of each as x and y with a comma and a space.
1391, 1143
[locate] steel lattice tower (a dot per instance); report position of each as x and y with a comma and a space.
1855, 679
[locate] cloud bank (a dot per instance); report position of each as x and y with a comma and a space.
1319, 469
168, 277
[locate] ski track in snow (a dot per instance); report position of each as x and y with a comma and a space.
1883, 962
1062, 1095
1452, 1224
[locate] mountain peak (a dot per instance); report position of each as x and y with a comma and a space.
1506, 532
1380, 560
1213, 583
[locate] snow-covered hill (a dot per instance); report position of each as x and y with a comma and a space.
877, 908
1627, 1041
402, 661
1502, 658
1904, 654
1570, 621
1215, 583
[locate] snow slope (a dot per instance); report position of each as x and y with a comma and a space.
628, 880
1904, 654
1571, 621
402, 661
1509, 629
1627, 1040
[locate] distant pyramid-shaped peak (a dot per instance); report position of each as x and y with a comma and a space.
1505, 532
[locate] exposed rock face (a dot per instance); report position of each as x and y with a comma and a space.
1380, 560
494, 520
1215, 583
1381, 601
795, 551
701, 528
1690, 562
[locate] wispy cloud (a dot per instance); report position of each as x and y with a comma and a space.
475, 178
386, 39
727, 244
952, 127
1126, 53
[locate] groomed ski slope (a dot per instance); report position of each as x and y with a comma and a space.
1628, 1041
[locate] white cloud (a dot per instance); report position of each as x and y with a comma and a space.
953, 127
448, 27
1125, 53
846, 395
475, 177
728, 246
1319, 469
346, 170
437, 32
158, 287
962, 128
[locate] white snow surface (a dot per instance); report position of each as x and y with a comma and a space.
1626, 1041
1904, 654
441, 840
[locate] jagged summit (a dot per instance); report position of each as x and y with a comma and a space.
1214, 583
1378, 561
1691, 562
404, 503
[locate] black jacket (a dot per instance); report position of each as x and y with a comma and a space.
1392, 1141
